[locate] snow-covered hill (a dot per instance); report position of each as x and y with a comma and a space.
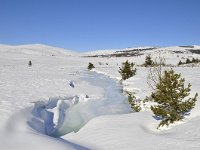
136, 51
35, 49
91, 95
111, 51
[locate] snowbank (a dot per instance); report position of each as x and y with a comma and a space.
49, 116
62, 115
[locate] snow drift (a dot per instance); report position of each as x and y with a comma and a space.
62, 115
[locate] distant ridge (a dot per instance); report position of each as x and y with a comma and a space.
136, 51
36, 49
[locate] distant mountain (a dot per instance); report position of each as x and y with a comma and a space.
36, 49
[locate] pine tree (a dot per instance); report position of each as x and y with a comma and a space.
133, 103
188, 61
193, 60
90, 66
148, 61
170, 97
180, 63
29, 63
127, 70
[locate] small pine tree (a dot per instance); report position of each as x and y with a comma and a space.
180, 63
90, 66
127, 70
170, 97
188, 61
193, 60
132, 101
148, 61
29, 63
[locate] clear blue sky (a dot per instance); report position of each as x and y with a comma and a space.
83, 25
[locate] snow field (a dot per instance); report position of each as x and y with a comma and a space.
49, 78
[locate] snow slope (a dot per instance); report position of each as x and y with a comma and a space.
35, 49
18, 135
110, 51
21, 85
62, 77
137, 131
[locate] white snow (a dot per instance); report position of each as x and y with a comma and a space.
87, 105
63, 115
35, 49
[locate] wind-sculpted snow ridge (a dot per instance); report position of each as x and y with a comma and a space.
48, 117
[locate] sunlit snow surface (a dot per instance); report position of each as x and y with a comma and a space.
58, 78
62, 115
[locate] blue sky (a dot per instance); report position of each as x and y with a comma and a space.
84, 25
